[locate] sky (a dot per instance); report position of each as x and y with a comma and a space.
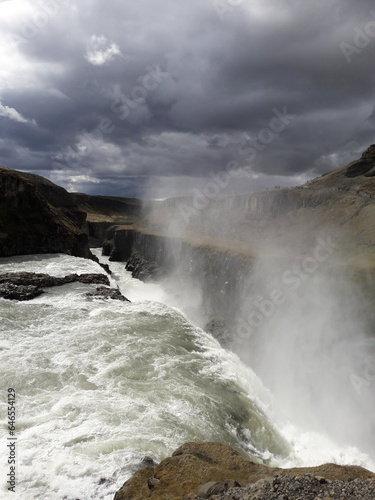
157, 98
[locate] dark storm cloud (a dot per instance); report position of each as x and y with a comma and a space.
103, 95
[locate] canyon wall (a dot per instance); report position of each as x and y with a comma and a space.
216, 275
216, 241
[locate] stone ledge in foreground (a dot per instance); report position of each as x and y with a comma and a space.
191, 466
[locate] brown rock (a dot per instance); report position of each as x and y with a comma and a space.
195, 464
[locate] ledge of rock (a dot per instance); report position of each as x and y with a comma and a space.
186, 474
26, 286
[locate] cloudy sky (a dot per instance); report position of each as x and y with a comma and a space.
155, 97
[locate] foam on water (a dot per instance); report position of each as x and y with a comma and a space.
53, 264
102, 384
308, 448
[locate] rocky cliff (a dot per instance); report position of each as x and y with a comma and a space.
216, 275
342, 201
36, 216
211, 255
106, 211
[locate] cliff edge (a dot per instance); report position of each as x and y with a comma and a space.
36, 216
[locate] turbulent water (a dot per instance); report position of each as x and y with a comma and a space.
100, 385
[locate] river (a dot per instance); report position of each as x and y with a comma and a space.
102, 385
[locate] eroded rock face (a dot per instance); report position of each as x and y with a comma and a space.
36, 216
205, 468
118, 243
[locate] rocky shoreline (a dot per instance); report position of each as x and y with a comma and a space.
218, 472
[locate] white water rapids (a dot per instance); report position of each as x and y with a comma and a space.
101, 384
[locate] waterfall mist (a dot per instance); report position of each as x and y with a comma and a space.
306, 327
301, 317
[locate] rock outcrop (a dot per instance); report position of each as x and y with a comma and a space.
11, 291
36, 216
194, 465
26, 286
103, 292
364, 166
